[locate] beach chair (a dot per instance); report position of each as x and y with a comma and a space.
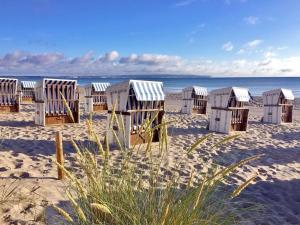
9, 99
95, 97
27, 91
134, 102
194, 100
228, 111
278, 106
50, 108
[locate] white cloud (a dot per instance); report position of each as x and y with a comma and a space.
150, 59
228, 2
280, 48
85, 59
269, 54
42, 59
184, 3
110, 56
241, 51
111, 63
254, 43
239, 62
250, 47
252, 20
228, 46
130, 59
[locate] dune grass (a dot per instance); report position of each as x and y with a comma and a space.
8, 192
116, 191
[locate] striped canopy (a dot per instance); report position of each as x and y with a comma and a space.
241, 94
288, 94
8, 91
59, 81
53, 89
8, 85
221, 97
148, 90
100, 86
8, 80
28, 84
200, 90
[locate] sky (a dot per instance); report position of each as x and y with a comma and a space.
199, 37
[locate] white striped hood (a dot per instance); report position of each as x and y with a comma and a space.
28, 84
241, 94
221, 97
8, 80
148, 90
98, 87
49, 81
144, 91
8, 85
287, 93
198, 90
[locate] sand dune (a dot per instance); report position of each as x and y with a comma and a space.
26, 151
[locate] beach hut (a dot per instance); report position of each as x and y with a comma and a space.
9, 99
194, 100
95, 97
134, 102
228, 111
50, 107
27, 91
278, 106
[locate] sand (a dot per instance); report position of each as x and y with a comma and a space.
26, 151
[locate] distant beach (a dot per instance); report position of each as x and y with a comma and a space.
27, 151
175, 83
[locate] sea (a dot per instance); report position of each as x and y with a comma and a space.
175, 83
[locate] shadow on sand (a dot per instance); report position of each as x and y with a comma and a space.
14, 123
279, 200
290, 136
263, 203
272, 155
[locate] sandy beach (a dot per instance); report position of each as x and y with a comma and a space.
26, 151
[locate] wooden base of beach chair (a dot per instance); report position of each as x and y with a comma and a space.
9, 109
99, 108
141, 138
27, 100
241, 123
287, 114
60, 119
136, 139
239, 127
199, 111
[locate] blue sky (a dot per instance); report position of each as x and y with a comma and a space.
204, 37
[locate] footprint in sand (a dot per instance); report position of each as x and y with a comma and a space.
15, 154
3, 169
46, 171
49, 165
20, 175
190, 156
18, 165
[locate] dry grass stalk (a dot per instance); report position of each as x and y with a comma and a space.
115, 192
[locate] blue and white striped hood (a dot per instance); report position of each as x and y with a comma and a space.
148, 90
198, 90
28, 84
100, 86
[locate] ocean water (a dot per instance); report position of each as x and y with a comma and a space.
173, 83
